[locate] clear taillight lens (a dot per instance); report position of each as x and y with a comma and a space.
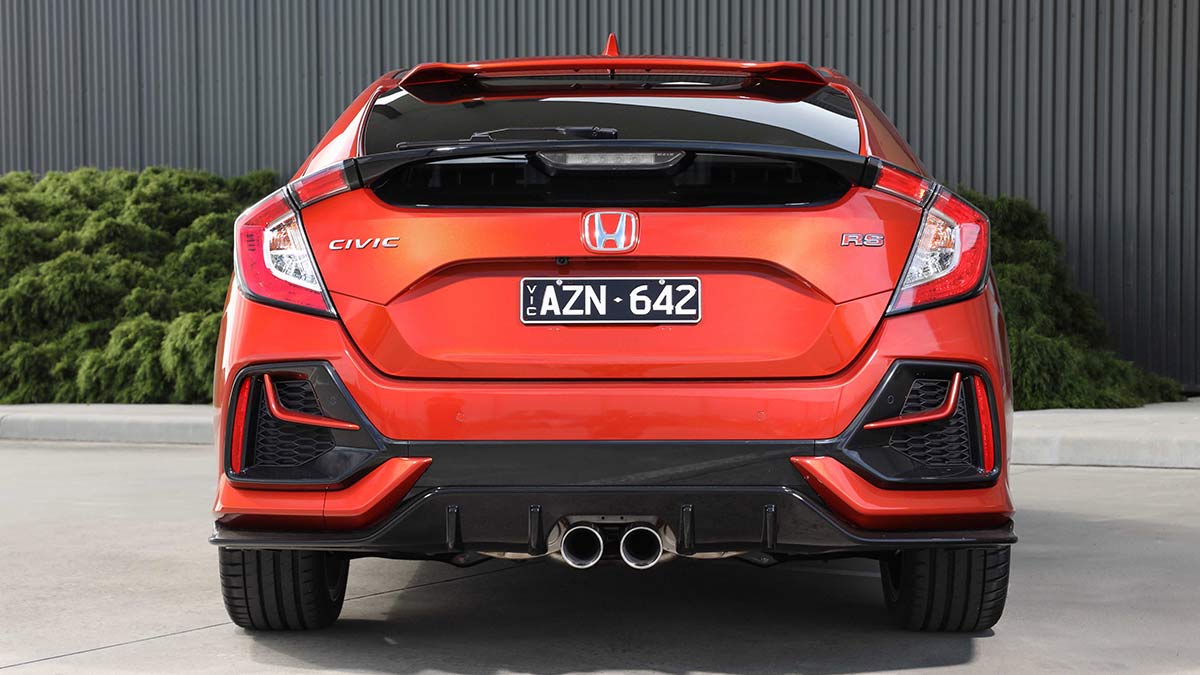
949, 258
286, 253
274, 264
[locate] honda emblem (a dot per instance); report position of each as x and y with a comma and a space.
610, 231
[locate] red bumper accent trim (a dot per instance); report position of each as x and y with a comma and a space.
943, 411
281, 413
874, 508
356, 506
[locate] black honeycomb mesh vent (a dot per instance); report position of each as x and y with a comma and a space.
297, 395
278, 443
944, 443
925, 394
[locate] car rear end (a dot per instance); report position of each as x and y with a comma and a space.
615, 309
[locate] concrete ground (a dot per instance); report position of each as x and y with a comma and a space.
106, 568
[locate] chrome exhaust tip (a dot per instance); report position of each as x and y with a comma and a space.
582, 546
641, 547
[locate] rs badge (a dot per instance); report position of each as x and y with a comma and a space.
852, 239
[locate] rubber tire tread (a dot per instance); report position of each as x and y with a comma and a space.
947, 590
282, 590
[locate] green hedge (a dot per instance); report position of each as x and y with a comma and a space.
112, 282
1057, 339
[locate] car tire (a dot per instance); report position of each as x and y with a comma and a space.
282, 590
946, 590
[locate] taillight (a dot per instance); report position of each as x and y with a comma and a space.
949, 258
320, 185
896, 181
274, 262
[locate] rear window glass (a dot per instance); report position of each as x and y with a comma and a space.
824, 120
701, 179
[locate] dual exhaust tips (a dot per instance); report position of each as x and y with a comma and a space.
583, 546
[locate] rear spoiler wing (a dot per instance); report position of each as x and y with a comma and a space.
363, 171
456, 82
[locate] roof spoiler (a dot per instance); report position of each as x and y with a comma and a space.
456, 82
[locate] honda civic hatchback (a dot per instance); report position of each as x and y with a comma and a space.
613, 310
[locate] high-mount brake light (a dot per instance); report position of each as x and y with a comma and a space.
610, 160
273, 261
905, 185
320, 185
949, 258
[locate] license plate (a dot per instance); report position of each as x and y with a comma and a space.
559, 300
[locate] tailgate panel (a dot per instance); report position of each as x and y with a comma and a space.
781, 296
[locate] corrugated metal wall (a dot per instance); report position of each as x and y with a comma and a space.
1086, 107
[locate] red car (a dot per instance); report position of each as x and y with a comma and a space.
613, 309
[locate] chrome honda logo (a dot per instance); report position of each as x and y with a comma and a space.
610, 231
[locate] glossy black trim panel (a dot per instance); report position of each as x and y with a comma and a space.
854, 168
446, 523
610, 463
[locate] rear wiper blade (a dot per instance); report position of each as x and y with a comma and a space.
531, 133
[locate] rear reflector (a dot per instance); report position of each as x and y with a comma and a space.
237, 443
985, 425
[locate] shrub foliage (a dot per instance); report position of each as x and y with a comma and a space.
112, 282
1057, 340
111, 286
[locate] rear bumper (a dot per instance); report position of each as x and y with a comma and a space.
616, 440
590, 409
455, 524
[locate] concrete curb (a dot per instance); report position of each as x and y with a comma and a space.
1164, 435
105, 423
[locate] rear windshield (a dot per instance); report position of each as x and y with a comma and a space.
824, 120
700, 179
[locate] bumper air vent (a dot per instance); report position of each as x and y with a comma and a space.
294, 426
927, 424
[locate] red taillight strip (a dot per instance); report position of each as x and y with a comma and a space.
985, 424
903, 184
281, 413
238, 441
943, 411
323, 184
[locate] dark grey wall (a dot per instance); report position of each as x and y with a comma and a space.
1086, 107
